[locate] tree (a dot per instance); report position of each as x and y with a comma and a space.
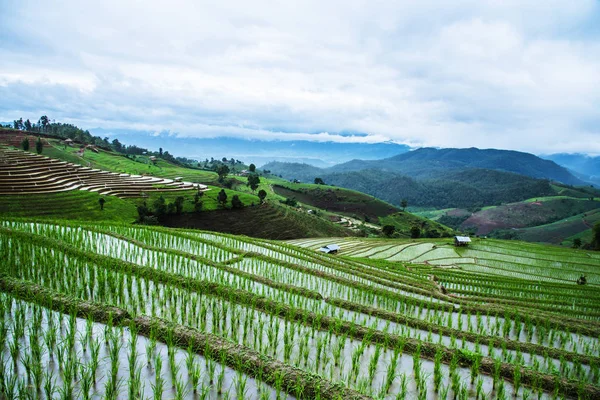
197, 206
160, 152
117, 146
415, 232
388, 230
253, 182
404, 204
101, 201
160, 206
222, 171
25, 144
596, 238
252, 168
44, 122
236, 202
28, 126
262, 194
576, 243
143, 211
39, 146
179, 204
319, 181
222, 198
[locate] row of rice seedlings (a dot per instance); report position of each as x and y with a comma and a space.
179, 304
26, 255
174, 301
45, 354
463, 343
510, 325
82, 272
321, 284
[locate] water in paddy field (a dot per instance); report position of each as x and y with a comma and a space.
227, 383
404, 368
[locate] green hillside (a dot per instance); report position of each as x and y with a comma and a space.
563, 231
335, 199
71, 205
267, 221
404, 221
530, 213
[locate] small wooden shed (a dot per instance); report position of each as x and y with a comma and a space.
330, 249
462, 240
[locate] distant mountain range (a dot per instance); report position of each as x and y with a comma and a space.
583, 166
322, 154
441, 177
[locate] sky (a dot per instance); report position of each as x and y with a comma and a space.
511, 74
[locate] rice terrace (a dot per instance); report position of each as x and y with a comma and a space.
299, 200
117, 311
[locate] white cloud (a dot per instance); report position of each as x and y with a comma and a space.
519, 74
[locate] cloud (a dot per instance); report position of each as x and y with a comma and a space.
517, 74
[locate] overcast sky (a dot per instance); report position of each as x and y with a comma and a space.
513, 74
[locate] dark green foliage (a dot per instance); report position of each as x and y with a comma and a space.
39, 146
143, 211
252, 168
236, 202
319, 181
222, 198
101, 201
159, 207
596, 238
388, 230
403, 204
253, 181
290, 201
25, 144
262, 194
222, 170
179, 204
415, 232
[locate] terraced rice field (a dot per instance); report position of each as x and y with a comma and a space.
117, 311
27, 173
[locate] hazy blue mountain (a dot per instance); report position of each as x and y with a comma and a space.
259, 152
441, 177
583, 166
429, 163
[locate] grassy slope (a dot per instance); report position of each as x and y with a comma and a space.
335, 199
529, 213
269, 220
118, 163
272, 221
73, 205
208, 199
404, 221
563, 231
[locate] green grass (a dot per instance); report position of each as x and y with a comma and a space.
72, 205
335, 199
137, 165
208, 199
563, 231
404, 221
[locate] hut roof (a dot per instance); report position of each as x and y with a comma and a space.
462, 239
